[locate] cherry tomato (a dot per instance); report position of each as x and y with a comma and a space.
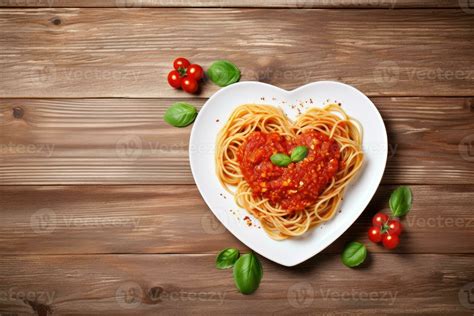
375, 234
195, 71
394, 227
379, 219
181, 62
174, 79
189, 85
390, 241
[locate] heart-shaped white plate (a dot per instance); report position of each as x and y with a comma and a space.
214, 115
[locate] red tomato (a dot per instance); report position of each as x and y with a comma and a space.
390, 241
195, 71
174, 79
189, 85
394, 227
379, 219
375, 234
181, 62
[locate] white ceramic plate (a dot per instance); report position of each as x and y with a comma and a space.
214, 115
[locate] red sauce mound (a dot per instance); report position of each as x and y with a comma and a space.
299, 184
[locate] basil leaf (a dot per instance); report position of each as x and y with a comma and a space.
400, 201
180, 114
248, 273
226, 258
299, 153
223, 73
280, 160
354, 254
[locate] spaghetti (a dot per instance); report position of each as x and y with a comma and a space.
288, 201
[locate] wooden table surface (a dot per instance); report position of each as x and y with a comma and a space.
87, 229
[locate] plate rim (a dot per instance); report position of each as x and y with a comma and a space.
309, 255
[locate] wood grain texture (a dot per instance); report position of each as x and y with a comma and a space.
175, 219
291, 4
128, 53
151, 284
126, 141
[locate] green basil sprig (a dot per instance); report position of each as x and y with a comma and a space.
248, 273
280, 160
223, 73
180, 114
400, 201
354, 254
299, 153
226, 258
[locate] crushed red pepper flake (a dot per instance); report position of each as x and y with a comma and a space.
248, 221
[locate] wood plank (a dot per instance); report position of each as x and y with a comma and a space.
182, 284
59, 141
175, 219
294, 4
128, 53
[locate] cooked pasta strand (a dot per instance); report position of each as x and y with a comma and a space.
331, 120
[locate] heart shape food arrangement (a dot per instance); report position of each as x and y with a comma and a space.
217, 112
293, 187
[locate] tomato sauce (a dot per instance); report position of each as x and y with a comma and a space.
299, 184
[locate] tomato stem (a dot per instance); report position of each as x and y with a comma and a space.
182, 71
